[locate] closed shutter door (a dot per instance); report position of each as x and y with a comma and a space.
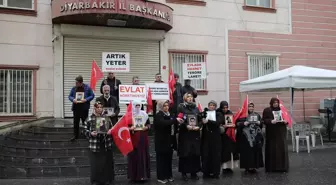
79, 53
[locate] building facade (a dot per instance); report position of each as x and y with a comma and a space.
61, 39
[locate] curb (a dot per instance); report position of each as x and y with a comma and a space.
22, 124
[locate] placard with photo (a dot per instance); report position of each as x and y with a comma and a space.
253, 118
79, 96
108, 111
192, 120
102, 125
228, 119
139, 122
278, 116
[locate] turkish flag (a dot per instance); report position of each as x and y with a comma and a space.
199, 106
121, 134
286, 116
96, 74
149, 101
242, 113
171, 84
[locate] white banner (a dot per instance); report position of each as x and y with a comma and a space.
129, 93
196, 70
160, 91
116, 62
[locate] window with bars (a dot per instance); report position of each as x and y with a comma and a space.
16, 92
18, 4
259, 3
260, 65
176, 63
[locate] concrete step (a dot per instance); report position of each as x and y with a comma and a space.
45, 135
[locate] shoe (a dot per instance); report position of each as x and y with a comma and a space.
163, 181
194, 176
171, 179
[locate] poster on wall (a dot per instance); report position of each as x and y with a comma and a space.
116, 62
193, 71
129, 93
160, 91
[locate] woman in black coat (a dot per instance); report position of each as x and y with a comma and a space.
211, 142
189, 138
165, 142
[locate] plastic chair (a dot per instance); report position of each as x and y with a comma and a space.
302, 133
316, 127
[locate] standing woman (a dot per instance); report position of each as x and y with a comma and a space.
138, 159
165, 142
189, 138
276, 149
250, 141
100, 155
228, 142
211, 142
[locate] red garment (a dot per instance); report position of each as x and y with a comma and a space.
285, 115
149, 101
171, 84
96, 74
242, 113
121, 134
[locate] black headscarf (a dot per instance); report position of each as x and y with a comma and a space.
271, 104
221, 107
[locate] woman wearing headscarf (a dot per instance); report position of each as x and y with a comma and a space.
100, 145
227, 140
250, 141
138, 159
211, 142
165, 141
276, 149
189, 138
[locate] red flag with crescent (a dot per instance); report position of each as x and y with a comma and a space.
121, 134
171, 84
149, 101
285, 115
96, 74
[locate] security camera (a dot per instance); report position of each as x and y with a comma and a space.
54, 38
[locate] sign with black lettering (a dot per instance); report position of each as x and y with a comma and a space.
160, 91
193, 71
116, 62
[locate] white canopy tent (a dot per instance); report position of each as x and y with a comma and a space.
296, 77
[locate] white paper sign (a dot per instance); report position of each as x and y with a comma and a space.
129, 93
196, 70
116, 62
160, 91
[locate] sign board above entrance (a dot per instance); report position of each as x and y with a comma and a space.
110, 9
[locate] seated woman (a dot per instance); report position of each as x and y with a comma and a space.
98, 131
138, 159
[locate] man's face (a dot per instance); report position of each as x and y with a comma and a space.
79, 84
157, 77
136, 81
111, 75
188, 82
251, 108
176, 79
106, 92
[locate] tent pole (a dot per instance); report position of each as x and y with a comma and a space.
291, 92
304, 105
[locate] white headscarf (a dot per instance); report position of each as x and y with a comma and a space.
137, 110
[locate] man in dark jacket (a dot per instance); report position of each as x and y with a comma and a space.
114, 83
109, 101
177, 95
81, 95
187, 88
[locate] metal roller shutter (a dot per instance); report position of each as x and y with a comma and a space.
79, 53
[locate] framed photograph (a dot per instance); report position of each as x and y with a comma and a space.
228, 119
108, 111
278, 116
102, 125
139, 122
79, 96
253, 118
192, 120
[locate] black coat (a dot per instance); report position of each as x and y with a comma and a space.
113, 92
111, 102
177, 96
189, 89
164, 140
189, 142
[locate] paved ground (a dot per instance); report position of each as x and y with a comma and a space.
317, 168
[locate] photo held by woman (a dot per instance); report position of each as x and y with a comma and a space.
250, 141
